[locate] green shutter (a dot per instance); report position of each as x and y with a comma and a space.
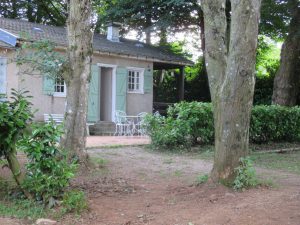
48, 85
94, 95
121, 88
3, 75
148, 81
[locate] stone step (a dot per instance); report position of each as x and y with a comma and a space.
102, 128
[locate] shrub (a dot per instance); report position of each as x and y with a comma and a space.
15, 115
186, 122
166, 132
245, 175
274, 123
198, 119
48, 171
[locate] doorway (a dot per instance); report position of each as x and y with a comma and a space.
106, 97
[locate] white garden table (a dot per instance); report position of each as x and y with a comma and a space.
133, 121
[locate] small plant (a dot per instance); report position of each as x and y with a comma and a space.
48, 170
74, 202
99, 162
245, 175
201, 179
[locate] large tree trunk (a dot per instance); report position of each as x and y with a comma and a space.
287, 80
77, 76
231, 71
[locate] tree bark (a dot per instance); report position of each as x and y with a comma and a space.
286, 89
231, 71
148, 29
77, 76
15, 168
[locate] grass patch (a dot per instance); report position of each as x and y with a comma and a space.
99, 162
289, 161
178, 173
22, 209
201, 179
74, 202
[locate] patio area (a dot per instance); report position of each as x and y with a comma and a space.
105, 141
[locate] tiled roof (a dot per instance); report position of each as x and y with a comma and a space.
125, 47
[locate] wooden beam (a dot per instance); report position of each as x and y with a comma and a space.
181, 84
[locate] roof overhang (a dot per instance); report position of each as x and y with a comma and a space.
8, 38
157, 62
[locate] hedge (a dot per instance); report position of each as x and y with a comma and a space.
187, 122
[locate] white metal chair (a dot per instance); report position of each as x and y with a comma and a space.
123, 125
140, 126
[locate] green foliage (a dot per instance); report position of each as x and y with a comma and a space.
40, 58
52, 12
196, 84
245, 175
14, 118
263, 90
21, 209
74, 202
145, 15
99, 162
267, 57
201, 179
167, 132
197, 119
275, 16
48, 171
275, 123
187, 122
267, 63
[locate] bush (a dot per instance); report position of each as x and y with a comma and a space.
167, 132
275, 123
15, 116
48, 171
245, 175
187, 122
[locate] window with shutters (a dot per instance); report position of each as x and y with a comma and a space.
60, 87
135, 80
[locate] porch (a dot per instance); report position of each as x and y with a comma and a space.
111, 141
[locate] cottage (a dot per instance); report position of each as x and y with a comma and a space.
122, 71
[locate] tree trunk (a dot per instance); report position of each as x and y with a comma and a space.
231, 71
148, 29
287, 80
77, 76
15, 168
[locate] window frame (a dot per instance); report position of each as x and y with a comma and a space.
60, 94
141, 80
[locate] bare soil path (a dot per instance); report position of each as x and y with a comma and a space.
145, 187
134, 186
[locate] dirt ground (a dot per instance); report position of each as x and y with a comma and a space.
134, 186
